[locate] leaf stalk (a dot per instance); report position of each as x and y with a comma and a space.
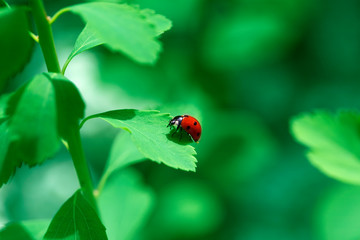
82, 170
58, 14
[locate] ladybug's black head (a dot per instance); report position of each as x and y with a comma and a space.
175, 121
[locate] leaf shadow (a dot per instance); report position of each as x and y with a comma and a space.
181, 138
122, 114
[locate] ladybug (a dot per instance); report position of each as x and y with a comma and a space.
189, 124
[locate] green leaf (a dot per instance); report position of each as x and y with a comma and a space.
8, 162
187, 13
32, 111
123, 153
69, 105
334, 142
85, 41
125, 204
15, 43
76, 219
159, 22
151, 136
125, 28
26, 230
88, 39
38, 115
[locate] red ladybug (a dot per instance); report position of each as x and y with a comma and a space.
189, 124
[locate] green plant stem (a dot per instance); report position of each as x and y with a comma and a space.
46, 38
58, 14
34, 37
74, 145
82, 170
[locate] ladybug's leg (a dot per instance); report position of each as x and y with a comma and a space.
180, 132
176, 130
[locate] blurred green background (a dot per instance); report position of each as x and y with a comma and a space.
243, 68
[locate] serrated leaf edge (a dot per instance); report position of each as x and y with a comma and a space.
191, 148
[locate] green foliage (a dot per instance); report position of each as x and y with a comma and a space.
125, 28
7, 163
16, 47
125, 204
186, 208
39, 114
76, 219
69, 104
150, 135
85, 41
245, 148
31, 134
253, 33
3, 101
47, 109
242, 67
3, 3
159, 22
333, 141
338, 214
26, 230
123, 153
186, 15
256, 34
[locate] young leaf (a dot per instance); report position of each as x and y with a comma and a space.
76, 219
85, 41
37, 116
334, 142
124, 204
123, 153
125, 28
152, 137
26, 230
69, 105
15, 43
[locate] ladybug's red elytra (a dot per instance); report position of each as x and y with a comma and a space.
190, 124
